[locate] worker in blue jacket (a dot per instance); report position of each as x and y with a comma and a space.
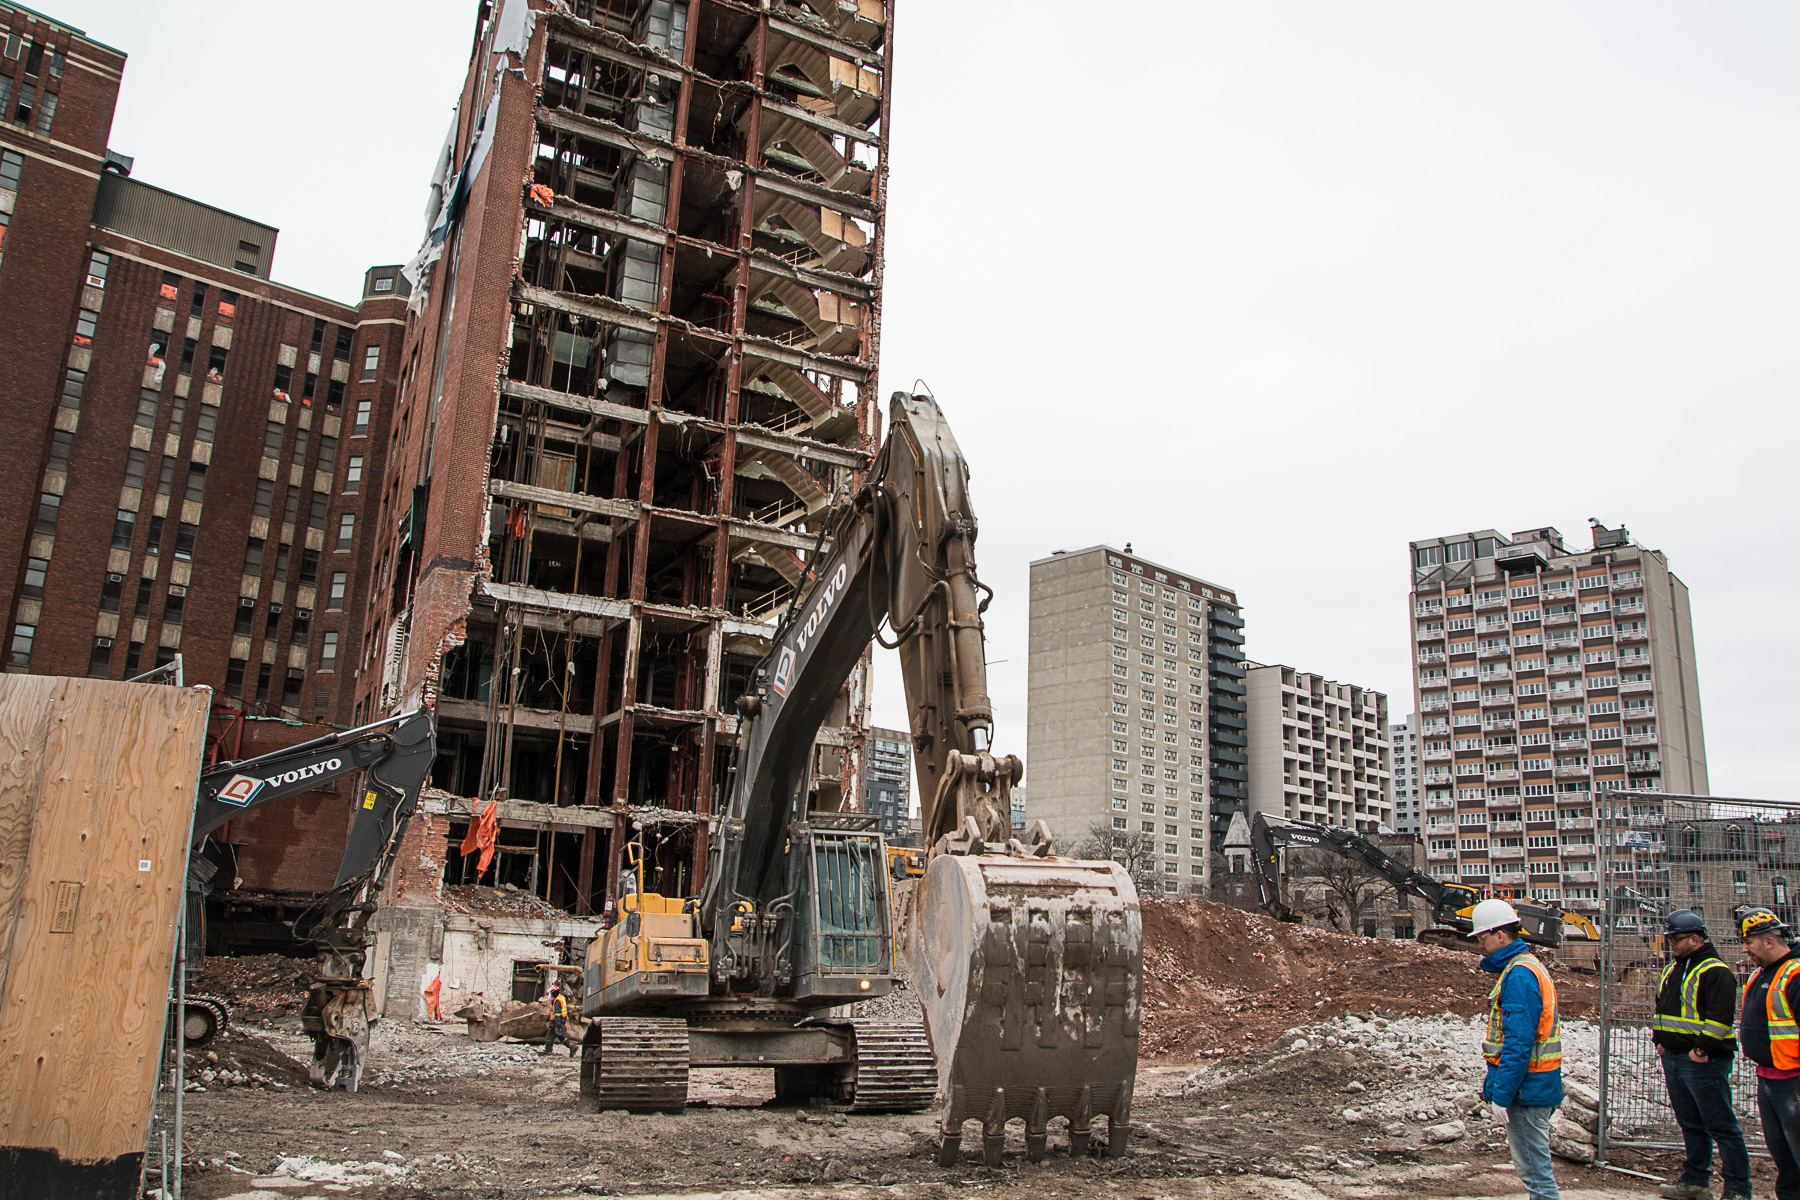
1523, 1046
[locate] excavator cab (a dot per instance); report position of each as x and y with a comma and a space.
845, 934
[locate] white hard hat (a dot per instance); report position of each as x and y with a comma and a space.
1492, 914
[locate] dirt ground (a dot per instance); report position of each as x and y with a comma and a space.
1277, 1062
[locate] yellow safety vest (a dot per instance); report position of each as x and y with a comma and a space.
1546, 1048
1690, 1022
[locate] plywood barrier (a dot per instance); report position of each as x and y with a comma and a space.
97, 785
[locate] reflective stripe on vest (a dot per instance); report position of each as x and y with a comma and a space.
1546, 1049
1784, 1032
1690, 1022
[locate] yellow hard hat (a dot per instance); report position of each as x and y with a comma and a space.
1754, 921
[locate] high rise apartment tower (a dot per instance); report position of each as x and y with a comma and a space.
1403, 787
1136, 706
1318, 750
1548, 681
641, 368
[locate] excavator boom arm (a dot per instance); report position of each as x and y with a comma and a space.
1542, 925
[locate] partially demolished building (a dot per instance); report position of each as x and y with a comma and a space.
639, 370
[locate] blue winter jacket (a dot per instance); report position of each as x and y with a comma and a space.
1521, 1004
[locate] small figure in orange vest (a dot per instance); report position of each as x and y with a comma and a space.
1769, 1035
559, 1021
1524, 1044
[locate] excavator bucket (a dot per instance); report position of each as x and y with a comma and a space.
1028, 970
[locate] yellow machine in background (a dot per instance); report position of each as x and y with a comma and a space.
905, 862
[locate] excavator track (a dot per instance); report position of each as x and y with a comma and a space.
639, 1064
894, 1068
203, 1019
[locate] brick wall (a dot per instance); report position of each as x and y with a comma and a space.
44, 253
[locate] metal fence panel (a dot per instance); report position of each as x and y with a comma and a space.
1659, 854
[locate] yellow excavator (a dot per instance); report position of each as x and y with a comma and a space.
1027, 965
1451, 903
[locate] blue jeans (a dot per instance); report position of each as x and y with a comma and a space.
1700, 1094
1528, 1135
1778, 1100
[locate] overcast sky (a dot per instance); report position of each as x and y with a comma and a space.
1265, 289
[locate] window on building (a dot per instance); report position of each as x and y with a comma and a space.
112, 593
36, 571
141, 609
215, 363
371, 363
341, 350
234, 678
315, 513
46, 112
264, 502
197, 304
196, 483
340, 582
318, 334
263, 674
99, 262
353, 474
309, 567
206, 424
360, 427
100, 658
174, 606
184, 540
134, 654
290, 689
19, 653
124, 525
327, 462
328, 648
334, 395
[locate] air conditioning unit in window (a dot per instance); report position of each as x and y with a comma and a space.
112, 578
246, 602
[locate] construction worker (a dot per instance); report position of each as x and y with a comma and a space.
1696, 1002
1770, 1037
559, 1021
1524, 1044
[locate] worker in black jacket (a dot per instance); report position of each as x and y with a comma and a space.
1696, 1003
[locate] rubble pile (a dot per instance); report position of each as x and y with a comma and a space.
258, 985
240, 1059
1218, 979
503, 901
1391, 1083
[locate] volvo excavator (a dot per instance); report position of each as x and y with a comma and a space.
395, 756
1027, 964
1541, 925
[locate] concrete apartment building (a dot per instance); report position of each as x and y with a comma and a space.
640, 369
888, 792
197, 446
1548, 681
1137, 716
1404, 793
1318, 750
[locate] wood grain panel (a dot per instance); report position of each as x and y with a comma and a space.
24, 721
82, 1016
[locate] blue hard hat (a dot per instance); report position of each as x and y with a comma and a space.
1684, 920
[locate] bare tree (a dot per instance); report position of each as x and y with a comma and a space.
1349, 886
1132, 849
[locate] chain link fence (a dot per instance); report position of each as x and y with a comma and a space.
1658, 854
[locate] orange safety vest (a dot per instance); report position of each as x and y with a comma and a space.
1546, 1048
1784, 1031
559, 1006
